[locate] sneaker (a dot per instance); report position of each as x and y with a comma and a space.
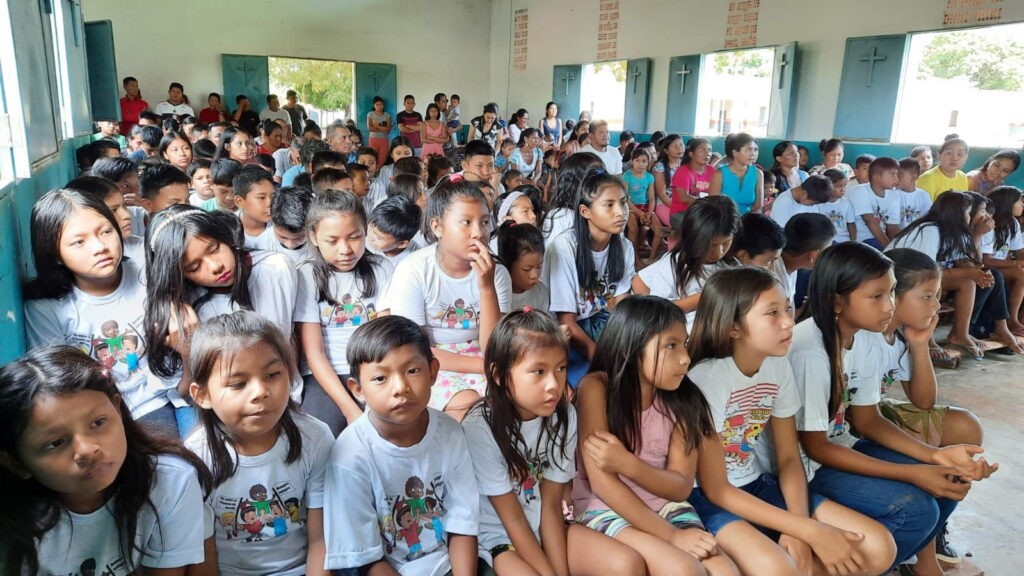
943, 551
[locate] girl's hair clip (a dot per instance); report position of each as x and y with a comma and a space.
456, 178
527, 309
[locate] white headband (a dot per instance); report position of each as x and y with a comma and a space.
168, 220
507, 205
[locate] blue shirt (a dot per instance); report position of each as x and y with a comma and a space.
743, 191
289, 176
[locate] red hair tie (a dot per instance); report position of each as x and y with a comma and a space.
527, 309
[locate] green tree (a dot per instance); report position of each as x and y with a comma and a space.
745, 62
618, 68
989, 63
326, 84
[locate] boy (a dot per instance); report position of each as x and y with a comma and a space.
254, 191
409, 123
806, 236
163, 185
839, 209
454, 117
393, 225
327, 159
877, 204
759, 241
360, 183
222, 176
288, 212
368, 157
110, 130
310, 147
501, 161
125, 174
478, 163
410, 165
805, 198
331, 179
914, 201
149, 143
861, 167
403, 468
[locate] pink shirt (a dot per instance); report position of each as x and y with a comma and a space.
685, 179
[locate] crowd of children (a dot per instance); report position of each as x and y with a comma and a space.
312, 356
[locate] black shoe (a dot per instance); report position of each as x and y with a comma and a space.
943, 551
906, 570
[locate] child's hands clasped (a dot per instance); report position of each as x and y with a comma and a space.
835, 548
962, 456
939, 481
695, 542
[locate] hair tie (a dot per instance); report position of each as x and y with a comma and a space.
172, 218
456, 178
506, 205
527, 309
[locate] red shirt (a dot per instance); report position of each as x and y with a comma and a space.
130, 110
209, 116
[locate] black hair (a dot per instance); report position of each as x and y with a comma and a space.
395, 143
508, 176
570, 176
952, 140
151, 117
881, 164
325, 158
835, 175
170, 125
827, 145
909, 164
226, 138
514, 240
619, 355
247, 177
373, 341
818, 188
223, 171
435, 166
512, 341
326, 204
289, 207
113, 169
531, 192
408, 165
397, 216
947, 214
204, 149
266, 161
366, 151
706, 218
157, 177
407, 185
151, 136
446, 193
353, 167
100, 147
189, 120
526, 133
662, 146
807, 232
197, 165
310, 148
586, 270
127, 79
240, 97
325, 178
839, 270
311, 127
477, 148
911, 268
728, 297
95, 186
218, 341
757, 235
1003, 199
864, 159
736, 141
34, 509
378, 99
304, 180
170, 137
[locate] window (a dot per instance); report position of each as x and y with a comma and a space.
735, 92
969, 82
326, 87
603, 92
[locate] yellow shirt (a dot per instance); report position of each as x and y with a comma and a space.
935, 182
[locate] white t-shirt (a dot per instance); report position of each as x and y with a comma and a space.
282, 161
895, 364
785, 207
1002, 252
134, 247
273, 284
913, 205
887, 210
337, 323
279, 114
397, 258
611, 157
811, 371
414, 496
295, 255
660, 277
560, 276
538, 298
139, 216
169, 532
448, 307
166, 107
111, 329
377, 194
557, 221
264, 241
494, 480
925, 239
260, 512
840, 212
741, 406
786, 278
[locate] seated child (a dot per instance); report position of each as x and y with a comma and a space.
288, 212
759, 242
914, 201
806, 236
839, 209
254, 190
201, 182
392, 227
331, 179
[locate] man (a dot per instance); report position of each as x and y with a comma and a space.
273, 110
338, 137
296, 112
175, 105
245, 117
132, 104
599, 138
409, 122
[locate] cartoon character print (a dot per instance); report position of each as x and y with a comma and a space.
888, 380
262, 513
596, 297
910, 213
537, 463
747, 411
350, 311
880, 216
837, 218
89, 566
458, 315
410, 515
117, 349
839, 425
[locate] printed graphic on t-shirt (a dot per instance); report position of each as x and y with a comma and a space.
414, 522
888, 380
458, 314
595, 298
118, 347
261, 513
911, 213
880, 216
839, 426
537, 462
113, 568
350, 311
836, 216
746, 414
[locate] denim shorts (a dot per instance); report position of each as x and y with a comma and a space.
765, 488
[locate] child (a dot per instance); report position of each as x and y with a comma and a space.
339, 290
400, 148
862, 168
411, 165
590, 266
839, 209
923, 155
640, 184
758, 242
639, 438
522, 442
806, 236
410, 186
511, 179
520, 247
741, 335
704, 238
1003, 249
805, 198
693, 178
162, 186
502, 161
87, 482
86, 295
393, 225
993, 172
307, 151
838, 380
914, 202
549, 174
517, 205
360, 175
201, 182
288, 212
454, 289
402, 467
222, 175
740, 178
176, 149
770, 189
367, 157
107, 192
562, 206
454, 117
262, 451
948, 173
331, 179
437, 168
254, 191
877, 204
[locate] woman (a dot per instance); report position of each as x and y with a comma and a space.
237, 145
520, 121
551, 125
572, 143
213, 112
786, 167
528, 158
433, 133
832, 157
273, 137
993, 172
378, 124
486, 127
670, 159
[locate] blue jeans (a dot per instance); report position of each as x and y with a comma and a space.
912, 515
160, 421
765, 488
187, 418
579, 365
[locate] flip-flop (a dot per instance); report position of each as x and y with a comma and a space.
969, 351
941, 358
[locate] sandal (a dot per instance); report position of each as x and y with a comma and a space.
943, 359
972, 352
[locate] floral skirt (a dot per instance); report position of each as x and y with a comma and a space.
448, 384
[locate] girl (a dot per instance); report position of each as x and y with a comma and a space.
705, 236
693, 178
839, 209
640, 184
590, 267
378, 124
549, 174
511, 179
437, 168
573, 143
909, 487
521, 250
177, 150
337, 292
410, 186
268, 459
400, 148
1003, 247
520, 205
502, 158
923, 155
947, 175
528, 158
237, 145
551, 125
993, 172
741, 335
561, 208
87, 295
273, 136
740, 179
201, 182
110, 194
637, 462
522, 442
786, 166
454, 290
85, 481
832, 157
670, 160
433, 133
